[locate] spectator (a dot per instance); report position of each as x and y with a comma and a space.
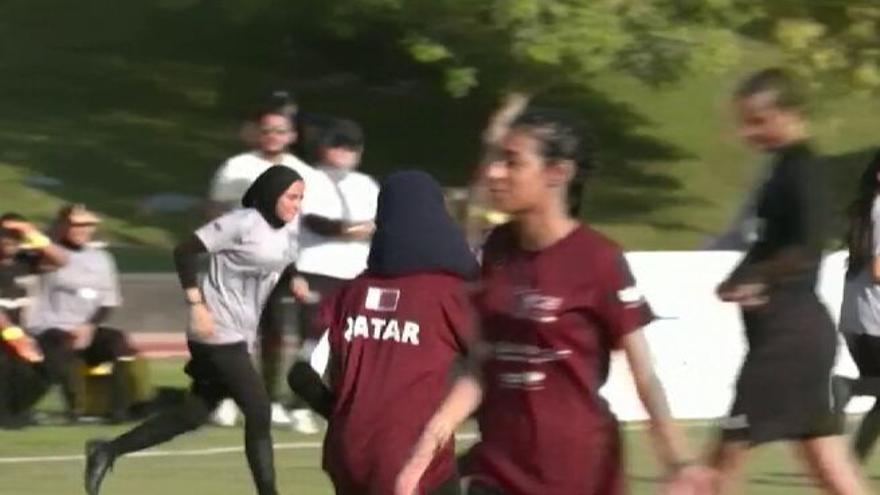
73, 304
280, 101
22, 376
233, 178
335, 241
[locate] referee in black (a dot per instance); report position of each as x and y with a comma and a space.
784, 388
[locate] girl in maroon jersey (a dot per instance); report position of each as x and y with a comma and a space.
556, 298
394, 333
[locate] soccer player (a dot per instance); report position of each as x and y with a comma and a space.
556, 299
249, 248
394, 334
784, 389
273, 134
860, 309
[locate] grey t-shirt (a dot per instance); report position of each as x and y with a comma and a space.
70, 296
247, 258
860, 310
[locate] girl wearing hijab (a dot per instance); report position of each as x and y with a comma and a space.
248, 249
394, 333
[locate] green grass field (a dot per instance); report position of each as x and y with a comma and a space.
44, 460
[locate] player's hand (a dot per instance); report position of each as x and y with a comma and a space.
300, 289
407, 481
437, 433
360, 231
692, 480
27, 349
747, 295
201, 320
82, 335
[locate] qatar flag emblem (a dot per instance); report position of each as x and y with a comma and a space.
382, 299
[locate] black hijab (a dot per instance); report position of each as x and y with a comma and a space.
264, 192
414, 232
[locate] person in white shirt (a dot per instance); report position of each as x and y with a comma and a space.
235, 176
860, 308
335, 237
274, 134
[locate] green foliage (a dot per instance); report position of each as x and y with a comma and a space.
534, 44
835, 41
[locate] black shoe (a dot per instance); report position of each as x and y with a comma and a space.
99, 460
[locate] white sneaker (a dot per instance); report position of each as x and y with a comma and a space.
304, 422
279, 415
226, 413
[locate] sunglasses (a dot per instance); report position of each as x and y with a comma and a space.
275, 130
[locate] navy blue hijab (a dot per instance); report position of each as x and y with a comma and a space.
414, 232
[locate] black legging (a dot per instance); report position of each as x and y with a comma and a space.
865, 351
218, 372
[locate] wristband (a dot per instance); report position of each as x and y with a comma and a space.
12, 333
36, 240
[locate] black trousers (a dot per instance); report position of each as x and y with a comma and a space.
22, 384
217, 372
865, 351
61, 359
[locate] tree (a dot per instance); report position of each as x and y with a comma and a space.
835, 43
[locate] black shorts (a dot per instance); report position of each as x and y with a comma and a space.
784, 389
865, 351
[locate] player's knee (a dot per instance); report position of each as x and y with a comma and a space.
257, 413
194, 412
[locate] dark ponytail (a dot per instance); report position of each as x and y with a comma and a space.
561, 138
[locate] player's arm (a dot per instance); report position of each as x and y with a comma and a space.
685, 476
186, 255
801, 232
671, 445
308, 385
460, 403
340, 229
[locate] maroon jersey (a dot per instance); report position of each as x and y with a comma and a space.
393, 342
551, 319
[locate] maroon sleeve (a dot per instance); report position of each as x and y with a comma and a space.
325, 317
460, 317
324, 314
622, 306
